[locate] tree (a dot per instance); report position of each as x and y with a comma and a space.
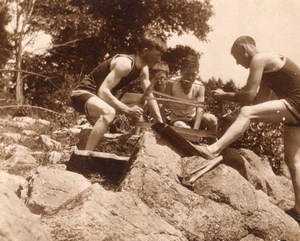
5, 46
20, 11
85, 31
178, 56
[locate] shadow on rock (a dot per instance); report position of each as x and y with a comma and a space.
109, 167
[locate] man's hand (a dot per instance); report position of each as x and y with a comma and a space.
218, 93
135, 111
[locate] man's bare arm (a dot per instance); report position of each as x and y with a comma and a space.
199, 110
249, 91
120, 69
145, 83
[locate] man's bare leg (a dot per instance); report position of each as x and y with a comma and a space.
292, 159
271, 111
181, 124
210, 122
101, 115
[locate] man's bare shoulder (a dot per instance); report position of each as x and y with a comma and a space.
198, 85
122, 64
267, 58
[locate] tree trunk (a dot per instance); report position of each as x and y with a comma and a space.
19, 49
19, 79
22, 18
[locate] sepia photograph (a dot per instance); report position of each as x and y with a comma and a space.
149, 120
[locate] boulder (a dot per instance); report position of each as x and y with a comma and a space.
235, 160
54, 157
16, 222
49, 143
259, 173
24, 119
17, 184
52, 187
260, 216
19, 161
280, 188
12, 137
223, 206
96, 214
153, 177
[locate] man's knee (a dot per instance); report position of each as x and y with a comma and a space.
181, 124
246, 112
214, 121
293, 165
210, 120
106, 114
109, 114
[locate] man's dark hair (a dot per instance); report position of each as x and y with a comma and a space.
158, 67
242, 40
151, 40
161, 66
190, 61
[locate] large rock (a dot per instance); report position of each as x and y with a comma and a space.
224, 208
52, 187
153, 177
19, 161
17, 184
16, 221
278, 187
98, 215
235, 160
224, 184
260, 174
50, 144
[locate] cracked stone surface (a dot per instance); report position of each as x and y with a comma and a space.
52, 187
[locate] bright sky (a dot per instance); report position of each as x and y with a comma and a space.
274, 24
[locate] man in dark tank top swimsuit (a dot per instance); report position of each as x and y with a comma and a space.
270, 75
95, 96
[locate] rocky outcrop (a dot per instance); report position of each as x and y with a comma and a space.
97, 214
260, 174
19, 161
16, 184
223, 205
50, 188
16, 221
241, 199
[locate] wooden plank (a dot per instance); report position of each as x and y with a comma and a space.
176, 139
189, 134
107, 165
101, 155
200, 133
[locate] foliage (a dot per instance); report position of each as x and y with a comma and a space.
265, 139
20, 12
5, 47
181, 54
220, 108
85, 32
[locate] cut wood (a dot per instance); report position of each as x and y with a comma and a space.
205, 168
188, 180
169, 134
100, 155
192, 135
